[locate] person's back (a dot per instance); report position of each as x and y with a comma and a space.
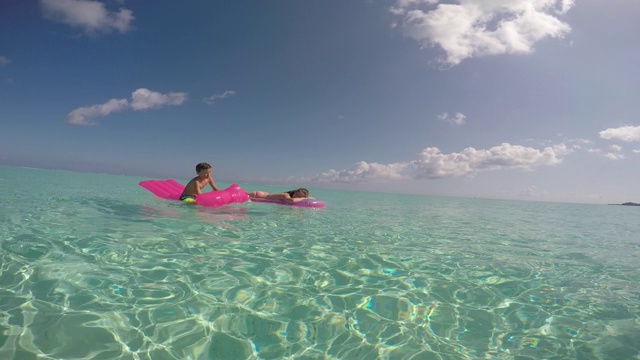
289, 196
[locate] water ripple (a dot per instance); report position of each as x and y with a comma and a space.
89, 276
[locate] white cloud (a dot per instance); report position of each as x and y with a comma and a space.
624, 133
636, 151
580, 141
431, 163
614, 156
141, 99
213, 98
615, 153
565, 5
457, 119
4, 61
402, 5
470, 28
86, 115
89, 15
363, 172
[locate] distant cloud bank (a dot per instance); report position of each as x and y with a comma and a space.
141, 99
468, 28
91, 16
431, 163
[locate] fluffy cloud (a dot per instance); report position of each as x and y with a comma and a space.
457, 119
4, 61
85, 115
89, 15
469, 28
213, 98
614, 156
624, 133
141, 99
431, 163
615, 153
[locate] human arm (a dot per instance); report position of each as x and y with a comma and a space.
213, 184
298, 199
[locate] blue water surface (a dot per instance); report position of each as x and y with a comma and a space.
94, 267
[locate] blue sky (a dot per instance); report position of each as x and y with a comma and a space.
514, 99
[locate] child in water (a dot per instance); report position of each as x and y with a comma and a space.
195, 186
289, 196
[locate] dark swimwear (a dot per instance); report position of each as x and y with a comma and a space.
183, 197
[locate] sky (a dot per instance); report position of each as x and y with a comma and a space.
508, 99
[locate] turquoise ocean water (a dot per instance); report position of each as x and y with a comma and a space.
92, 266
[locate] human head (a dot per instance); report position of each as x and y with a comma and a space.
202, 167
301, 192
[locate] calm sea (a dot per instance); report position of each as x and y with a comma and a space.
92, 266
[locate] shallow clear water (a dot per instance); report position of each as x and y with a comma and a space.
94, 267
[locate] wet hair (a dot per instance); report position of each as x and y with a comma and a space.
202, 166
302, 190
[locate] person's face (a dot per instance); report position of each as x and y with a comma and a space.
299, 194
205, 174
